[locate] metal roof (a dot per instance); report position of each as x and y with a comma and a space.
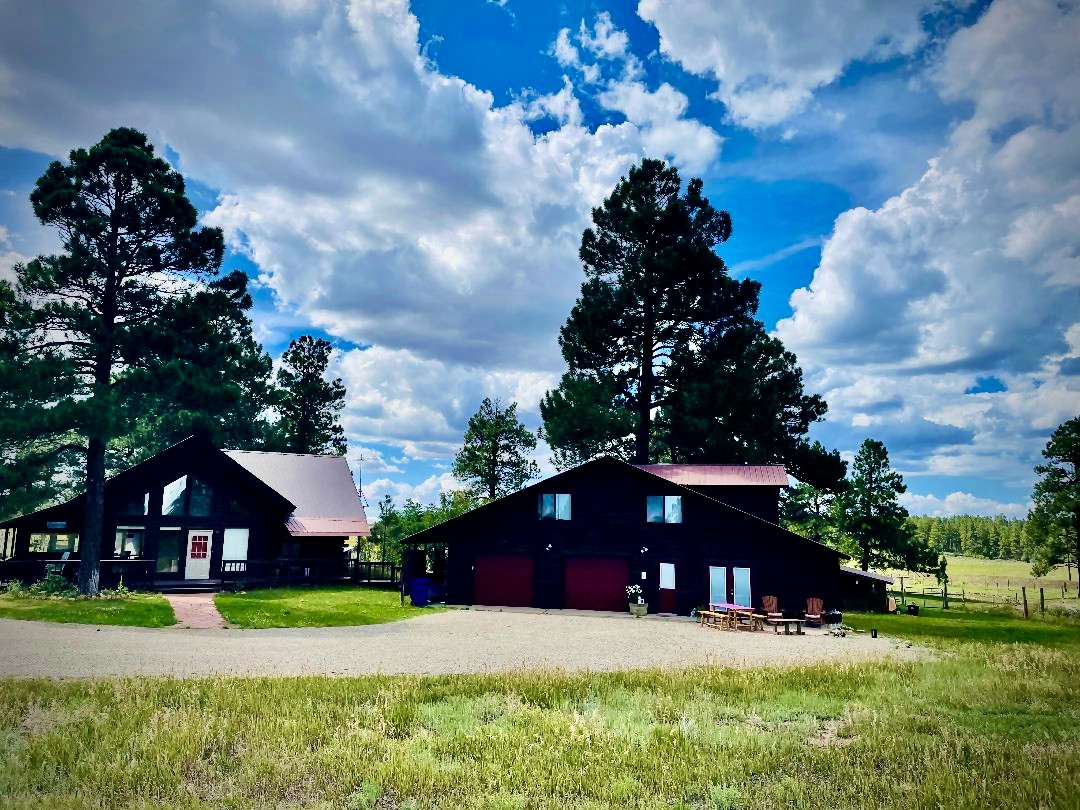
321, 487
867, 574
711, 475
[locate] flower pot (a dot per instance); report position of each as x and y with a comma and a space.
639, 608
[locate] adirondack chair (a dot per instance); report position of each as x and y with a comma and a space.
813, 611
892, 605
771, 608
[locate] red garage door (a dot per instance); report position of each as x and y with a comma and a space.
595, 584
503, 580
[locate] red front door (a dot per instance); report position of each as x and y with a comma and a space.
503, 580
667, 588
594, 583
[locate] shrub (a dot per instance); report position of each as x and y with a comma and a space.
53, 585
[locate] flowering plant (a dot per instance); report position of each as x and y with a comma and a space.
633, 591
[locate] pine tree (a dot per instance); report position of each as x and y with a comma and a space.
494, 456
307, 403
114, 315
662, 328
873, 517
1057, 492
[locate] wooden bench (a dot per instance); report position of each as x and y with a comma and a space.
710, 618
788, 625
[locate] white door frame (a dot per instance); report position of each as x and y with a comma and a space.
712, 594
198, 566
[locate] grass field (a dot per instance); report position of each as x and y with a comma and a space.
314, 607
993, 581
987, 723
138, 610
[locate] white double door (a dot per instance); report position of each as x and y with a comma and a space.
719, 592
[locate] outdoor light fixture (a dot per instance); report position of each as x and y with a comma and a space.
644, 549
549, 546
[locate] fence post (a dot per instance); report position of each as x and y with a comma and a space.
1042, 601
945, 597
1023, 589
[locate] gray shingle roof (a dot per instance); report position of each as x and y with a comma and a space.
321, 487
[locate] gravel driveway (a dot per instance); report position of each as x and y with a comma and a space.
448, 642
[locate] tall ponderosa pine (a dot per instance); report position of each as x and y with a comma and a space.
870, 514
662, 328
494, 457
1057, 492
309, 405
131, 305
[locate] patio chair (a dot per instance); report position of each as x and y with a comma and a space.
771, 608
813, 611
892, 605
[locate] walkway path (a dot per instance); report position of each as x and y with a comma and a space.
195, 611
448, 642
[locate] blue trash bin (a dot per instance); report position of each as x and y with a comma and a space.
420, 591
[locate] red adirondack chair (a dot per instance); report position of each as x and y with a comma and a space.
771, 608
813, 611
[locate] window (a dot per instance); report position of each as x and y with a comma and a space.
236, 509
663, 509
236, 544
201, 495
170, 543
129, 541
137, 505
554, 507
172, 500
53, 543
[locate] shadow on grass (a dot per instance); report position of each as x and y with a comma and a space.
971, 625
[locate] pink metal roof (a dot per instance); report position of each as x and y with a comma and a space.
320, 487
327, 527
712, 475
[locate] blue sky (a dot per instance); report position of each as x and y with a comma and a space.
411, 181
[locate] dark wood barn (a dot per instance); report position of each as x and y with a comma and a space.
687, 534
197, 515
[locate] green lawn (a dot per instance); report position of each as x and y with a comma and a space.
315, 607
139, 610
991, 723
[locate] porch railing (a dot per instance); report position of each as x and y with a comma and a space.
252, 573
136, 574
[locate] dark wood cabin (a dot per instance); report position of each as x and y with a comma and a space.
579, 538
197, 515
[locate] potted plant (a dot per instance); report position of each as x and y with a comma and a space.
638, 606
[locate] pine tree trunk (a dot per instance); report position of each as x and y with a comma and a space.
645, 390
1076, 538
93, 516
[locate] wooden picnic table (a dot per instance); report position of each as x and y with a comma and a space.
735, 616
788, 625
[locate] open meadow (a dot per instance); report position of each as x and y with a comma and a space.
993, 582
990, 719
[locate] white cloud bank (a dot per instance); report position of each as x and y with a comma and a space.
960, 503
970, 272
384, 201
769, 56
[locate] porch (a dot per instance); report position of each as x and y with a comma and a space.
141, 574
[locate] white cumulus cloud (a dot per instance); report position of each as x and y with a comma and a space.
769, 56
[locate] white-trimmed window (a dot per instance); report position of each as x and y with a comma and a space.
129, 541
663, 508
553, 507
